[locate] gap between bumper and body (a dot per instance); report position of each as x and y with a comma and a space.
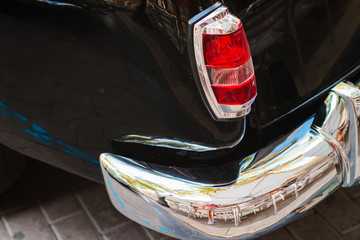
274, 185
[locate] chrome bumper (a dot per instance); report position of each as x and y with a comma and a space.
273, 186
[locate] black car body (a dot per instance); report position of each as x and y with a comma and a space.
81, 78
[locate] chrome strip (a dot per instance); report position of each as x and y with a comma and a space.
274, 185
165, 142
174, 143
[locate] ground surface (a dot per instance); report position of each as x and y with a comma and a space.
48, 203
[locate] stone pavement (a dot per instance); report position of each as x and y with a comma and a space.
48, 203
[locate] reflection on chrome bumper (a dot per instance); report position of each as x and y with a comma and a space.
274, 185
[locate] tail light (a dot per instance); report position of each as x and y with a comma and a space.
224, 64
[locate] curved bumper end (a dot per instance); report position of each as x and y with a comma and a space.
273, 186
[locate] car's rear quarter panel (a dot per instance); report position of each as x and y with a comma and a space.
75, 78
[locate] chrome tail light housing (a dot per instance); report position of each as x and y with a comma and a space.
223, 63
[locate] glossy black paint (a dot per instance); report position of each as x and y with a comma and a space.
76, 75
298, 48
83, 78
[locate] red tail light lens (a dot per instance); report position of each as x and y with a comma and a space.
228, 60
226, 51
224, 64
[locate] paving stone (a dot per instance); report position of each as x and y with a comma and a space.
356, 200
352, 192
340, 211
97, 201
28, 223
353, 235
312, 227
54, 195
76, 227
281, 234
130, 231
59, 204
3, 233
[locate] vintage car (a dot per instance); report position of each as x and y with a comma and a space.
203, 119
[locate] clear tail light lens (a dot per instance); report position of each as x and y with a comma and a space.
233, 86
224, 64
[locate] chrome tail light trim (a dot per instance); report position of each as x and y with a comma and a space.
220, 21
